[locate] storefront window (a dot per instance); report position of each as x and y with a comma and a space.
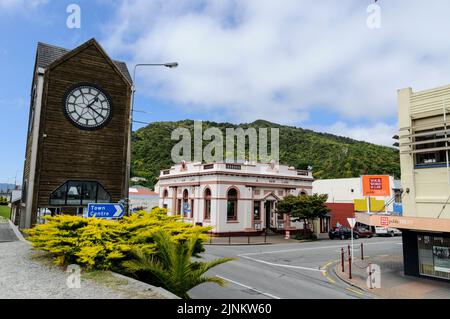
434, 256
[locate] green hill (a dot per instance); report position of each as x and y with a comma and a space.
330, 156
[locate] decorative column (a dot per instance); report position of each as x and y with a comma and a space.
174, 200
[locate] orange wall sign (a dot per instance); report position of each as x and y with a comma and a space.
376, 185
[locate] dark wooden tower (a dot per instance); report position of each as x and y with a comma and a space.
78, 132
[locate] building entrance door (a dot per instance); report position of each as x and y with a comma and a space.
268, 214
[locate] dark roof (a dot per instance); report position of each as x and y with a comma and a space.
47, 54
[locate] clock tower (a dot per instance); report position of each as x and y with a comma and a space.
77, 148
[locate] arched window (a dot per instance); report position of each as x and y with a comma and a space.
207, 204
165, 195
232, 202
185, 202
302, 193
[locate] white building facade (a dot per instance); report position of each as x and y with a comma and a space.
233, 198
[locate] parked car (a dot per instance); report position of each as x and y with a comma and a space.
346, 233
386, 231
362, 232
340, 232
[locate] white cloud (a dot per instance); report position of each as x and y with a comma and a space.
22, 5
378, 133
280, 60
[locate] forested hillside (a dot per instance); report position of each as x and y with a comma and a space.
330, 156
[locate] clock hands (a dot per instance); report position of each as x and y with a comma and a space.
92, 103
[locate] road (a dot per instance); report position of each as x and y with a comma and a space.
288, 271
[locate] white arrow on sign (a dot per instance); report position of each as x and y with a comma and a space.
351, 222
119, 210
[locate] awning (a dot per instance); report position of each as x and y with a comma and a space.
403, 222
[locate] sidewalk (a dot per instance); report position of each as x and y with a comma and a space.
29, 274
394, 284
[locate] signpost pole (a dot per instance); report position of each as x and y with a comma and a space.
352, 241
352, 223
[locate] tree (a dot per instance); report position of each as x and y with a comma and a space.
173, 266
303, 207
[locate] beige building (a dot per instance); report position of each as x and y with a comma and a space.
424, 136
424, 124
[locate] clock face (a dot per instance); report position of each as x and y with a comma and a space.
87, 107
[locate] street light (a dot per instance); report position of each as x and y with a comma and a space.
170, 65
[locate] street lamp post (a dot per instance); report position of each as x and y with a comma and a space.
170, 65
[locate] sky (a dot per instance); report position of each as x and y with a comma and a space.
306, 63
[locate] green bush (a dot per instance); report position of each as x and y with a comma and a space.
103, 244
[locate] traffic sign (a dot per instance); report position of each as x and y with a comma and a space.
351, 222
105, 210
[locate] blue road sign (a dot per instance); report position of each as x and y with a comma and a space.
105, 210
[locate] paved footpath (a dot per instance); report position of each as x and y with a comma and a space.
393, 284
29, 274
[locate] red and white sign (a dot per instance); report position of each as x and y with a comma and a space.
351, 222
384, 221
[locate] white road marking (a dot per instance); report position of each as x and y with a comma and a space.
281, 265
251, 288
309, 248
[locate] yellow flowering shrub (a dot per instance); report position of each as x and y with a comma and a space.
104, 244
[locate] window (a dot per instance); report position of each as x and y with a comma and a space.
232, 201
102, 195
324, 224
257, 210
434, 256
185, 203
207, 214
79, 193
430, 148
58, 197
179, 207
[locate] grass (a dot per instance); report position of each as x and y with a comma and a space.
5, 212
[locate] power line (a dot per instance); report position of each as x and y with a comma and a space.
445, 205
140, 111
140, 122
